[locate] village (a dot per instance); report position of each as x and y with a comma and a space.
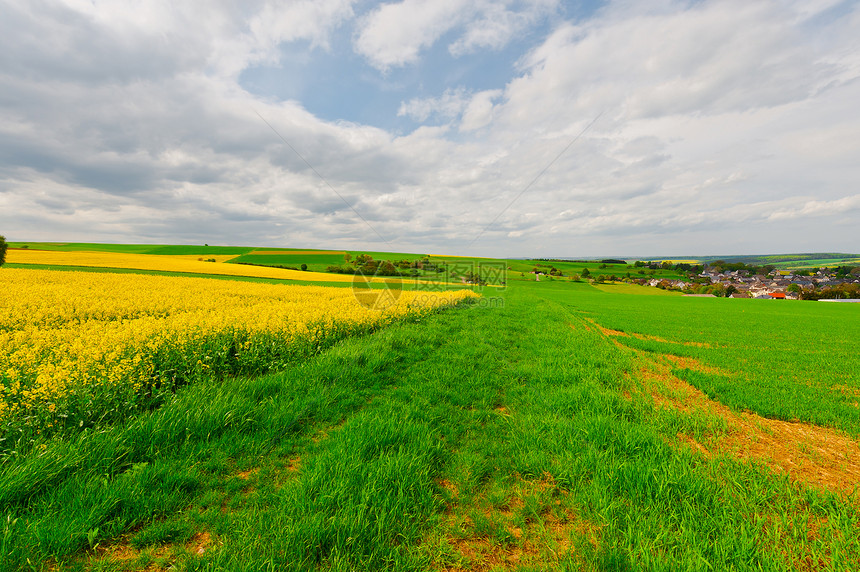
825, 283
716, 279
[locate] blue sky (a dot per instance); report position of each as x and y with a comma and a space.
615, 128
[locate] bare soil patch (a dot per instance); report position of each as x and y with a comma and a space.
521, 537
808, 453
692, 363
819, 456
199, 544
607, 331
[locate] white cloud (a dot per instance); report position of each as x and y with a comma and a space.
479, 111
475, 109
818, 208
448, 105
288, 21
497, 25
394, 34
711, 58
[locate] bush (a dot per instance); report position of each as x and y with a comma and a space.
3, 247
335, 269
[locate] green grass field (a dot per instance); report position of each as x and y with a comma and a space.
315, 262
793, 261
557, 426
163, 250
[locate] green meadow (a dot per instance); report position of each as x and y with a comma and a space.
555, 425
793, 261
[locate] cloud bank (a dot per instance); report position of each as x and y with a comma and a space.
723, 127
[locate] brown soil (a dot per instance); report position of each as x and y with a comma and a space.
694, 364
645, 337
245, 475
606, 331
199, 544
819, 456
123, 553
533, 541
650, 338
326, 432
294, 464
808, 453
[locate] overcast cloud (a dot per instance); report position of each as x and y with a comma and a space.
722, 127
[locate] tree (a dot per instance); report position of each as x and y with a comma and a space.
304, 266
347, 257
3, 247
586, 273
387, 268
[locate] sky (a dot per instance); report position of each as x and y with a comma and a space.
505, 128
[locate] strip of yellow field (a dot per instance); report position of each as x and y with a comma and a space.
208, 257
181, 263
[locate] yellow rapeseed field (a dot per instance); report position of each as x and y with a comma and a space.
77, 345
182, 263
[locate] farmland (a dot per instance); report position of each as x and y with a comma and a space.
78, 348
183, 258
568, 426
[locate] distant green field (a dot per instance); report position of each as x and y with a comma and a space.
791, 261
633, 289
394, 256
569, 268
817, 263
771, 367
315, 262
96, 247
187, 249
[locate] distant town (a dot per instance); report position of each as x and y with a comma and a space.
736, 280
719, 278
